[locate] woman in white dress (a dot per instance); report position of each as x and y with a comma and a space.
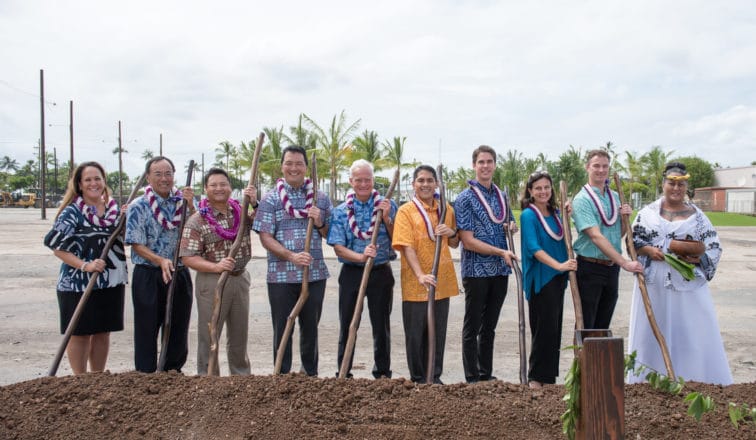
683, 307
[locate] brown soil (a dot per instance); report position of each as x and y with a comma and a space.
169, 405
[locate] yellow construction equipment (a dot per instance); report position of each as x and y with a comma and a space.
26, 200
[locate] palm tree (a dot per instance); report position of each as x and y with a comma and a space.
367, 147
394, 157
224, 151
301, 136
510, 172
8, 164
334, 145
147, 154
570, 167
610, 149
270, 156
653, 164
633, 169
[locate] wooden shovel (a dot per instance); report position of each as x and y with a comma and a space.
172, 286
576, 302
212, 363
642, 285
432, 290
355, 324
305, 292
520, 304
92, 280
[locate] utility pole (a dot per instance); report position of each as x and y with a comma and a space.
120, 166
161, 144
70, 135
55, 162
42, 161
202, 187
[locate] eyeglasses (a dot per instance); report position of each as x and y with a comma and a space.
160, 174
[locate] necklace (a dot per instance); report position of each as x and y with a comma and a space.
426, 219
158, 213
284, 196
353, 223
557, 236
494, 218
90, 213
225, 233
606, 221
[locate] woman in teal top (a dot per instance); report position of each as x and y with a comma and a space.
544, 263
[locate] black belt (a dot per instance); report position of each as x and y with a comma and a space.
375, 266
596, 261
147, 266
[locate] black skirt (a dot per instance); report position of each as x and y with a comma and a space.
102, 313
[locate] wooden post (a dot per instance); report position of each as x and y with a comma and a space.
602, 386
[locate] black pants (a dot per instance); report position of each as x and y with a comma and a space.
415, 317
148, 293
282, 297
599, 287
545, 312
484, 297
380, 299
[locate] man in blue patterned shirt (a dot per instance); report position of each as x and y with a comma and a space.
351, 229
482, 211
152, 231
281, 220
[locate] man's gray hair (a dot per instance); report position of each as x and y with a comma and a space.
360, 163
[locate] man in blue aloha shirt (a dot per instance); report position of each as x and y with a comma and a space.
152, 231
281, 220
352, 227
482, 212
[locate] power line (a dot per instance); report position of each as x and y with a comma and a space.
36, 95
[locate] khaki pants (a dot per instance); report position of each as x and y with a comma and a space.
234, 313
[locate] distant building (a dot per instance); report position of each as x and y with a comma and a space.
739, 177
734, 191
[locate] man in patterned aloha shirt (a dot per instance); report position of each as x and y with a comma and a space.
352, 227
281, 220
152, 231
482, 212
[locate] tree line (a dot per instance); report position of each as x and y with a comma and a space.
339, 143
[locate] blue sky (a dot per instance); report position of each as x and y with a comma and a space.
449, 75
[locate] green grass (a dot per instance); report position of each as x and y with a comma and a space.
730, 219
717, 218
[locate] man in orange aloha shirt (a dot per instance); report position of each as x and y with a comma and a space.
416, 230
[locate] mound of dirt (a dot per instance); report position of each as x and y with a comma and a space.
173, 406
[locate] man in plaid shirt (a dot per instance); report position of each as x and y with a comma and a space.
207, 239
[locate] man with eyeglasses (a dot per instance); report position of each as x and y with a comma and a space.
351, 230
152, 231
595, 211
482, 211
206, 243
281, 220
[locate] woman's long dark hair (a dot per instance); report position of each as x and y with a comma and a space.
527, 197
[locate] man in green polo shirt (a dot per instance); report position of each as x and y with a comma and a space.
598, 218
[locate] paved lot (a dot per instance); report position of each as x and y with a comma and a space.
29, 334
